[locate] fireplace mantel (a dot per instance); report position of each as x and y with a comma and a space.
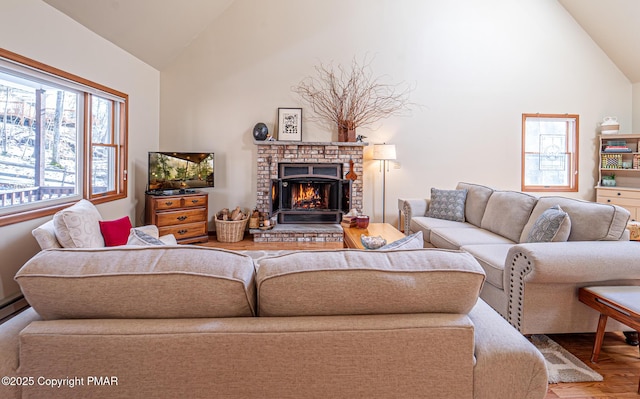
314, 143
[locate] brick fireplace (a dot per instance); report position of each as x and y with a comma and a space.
276, 156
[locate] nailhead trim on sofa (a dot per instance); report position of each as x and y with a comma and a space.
516, 289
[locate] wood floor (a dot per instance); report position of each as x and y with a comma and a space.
619, 363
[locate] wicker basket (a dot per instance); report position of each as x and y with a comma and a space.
230, 231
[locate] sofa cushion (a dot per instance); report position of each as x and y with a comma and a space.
412, 241
590, 221
507, 213
139, 282
447, 204
115, 232
425, 224
454, 238
553, 225
348, 282
78, 226
492, 258
476, 203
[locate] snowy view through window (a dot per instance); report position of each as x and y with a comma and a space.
39, 139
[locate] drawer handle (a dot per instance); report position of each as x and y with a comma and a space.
608, 200
195, 201
619, 193
182, 218
168, 203
183, 231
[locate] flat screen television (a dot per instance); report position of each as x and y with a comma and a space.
180, 170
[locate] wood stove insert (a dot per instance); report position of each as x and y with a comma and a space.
310, 193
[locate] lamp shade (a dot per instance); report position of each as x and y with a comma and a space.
384, 151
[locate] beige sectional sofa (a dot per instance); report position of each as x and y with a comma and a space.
534, 285
195, 322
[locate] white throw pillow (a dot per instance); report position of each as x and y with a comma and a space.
138, 237
413, 241
78, 226
168, 239
150, 229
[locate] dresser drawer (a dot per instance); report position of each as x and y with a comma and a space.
185, 231
167, 203
619, 193
169, 218
196, 200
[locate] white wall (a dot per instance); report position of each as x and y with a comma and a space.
476, 67
636, 108
34, 29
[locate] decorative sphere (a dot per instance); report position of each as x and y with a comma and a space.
260, 131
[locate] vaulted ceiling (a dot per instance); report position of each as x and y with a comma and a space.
156, 31
615, 26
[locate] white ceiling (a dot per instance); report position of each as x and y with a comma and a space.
615, 26
156, 31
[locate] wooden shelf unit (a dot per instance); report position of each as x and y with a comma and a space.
626, 192
184, 215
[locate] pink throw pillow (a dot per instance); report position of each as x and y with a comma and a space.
115, 232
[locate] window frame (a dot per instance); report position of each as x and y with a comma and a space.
572, 148
84, 157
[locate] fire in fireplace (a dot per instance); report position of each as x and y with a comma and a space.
310, 193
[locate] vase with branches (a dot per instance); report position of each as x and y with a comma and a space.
349, 98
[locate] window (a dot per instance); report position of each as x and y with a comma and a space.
62, 138
549, 152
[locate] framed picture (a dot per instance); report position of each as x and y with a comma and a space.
289, 124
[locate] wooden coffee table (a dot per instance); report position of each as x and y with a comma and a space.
621, 303
387, 231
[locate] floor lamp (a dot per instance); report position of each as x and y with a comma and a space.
384, 153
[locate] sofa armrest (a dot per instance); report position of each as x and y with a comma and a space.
507, 364
10, 347
45, 235
572, 262
411, 207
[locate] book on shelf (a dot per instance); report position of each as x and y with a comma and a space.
616, 148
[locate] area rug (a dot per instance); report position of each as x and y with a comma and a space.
562, 366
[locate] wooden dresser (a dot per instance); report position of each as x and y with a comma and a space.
183, 215
628, 198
